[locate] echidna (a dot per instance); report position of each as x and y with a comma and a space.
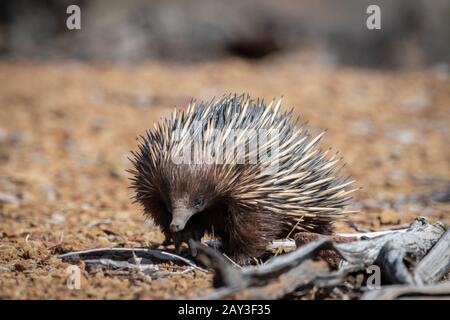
240, 171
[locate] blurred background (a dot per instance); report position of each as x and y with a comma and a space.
414, 32
72, 103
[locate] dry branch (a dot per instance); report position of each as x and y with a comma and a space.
272, 280
416, 240
284, 274
397, 291
126, 252
147, 268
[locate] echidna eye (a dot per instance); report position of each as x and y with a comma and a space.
198, 203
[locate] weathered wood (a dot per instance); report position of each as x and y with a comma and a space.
280, 264
398, 291
273, 280
303, 274
282, 245
140, 252
147, 268
228, 275
369, 235
436, 263
281, 275
417, 240
331, 256
391, 262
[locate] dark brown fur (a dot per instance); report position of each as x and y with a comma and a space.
244, 233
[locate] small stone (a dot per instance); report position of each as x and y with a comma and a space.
389, 217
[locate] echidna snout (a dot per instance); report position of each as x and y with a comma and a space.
179, 218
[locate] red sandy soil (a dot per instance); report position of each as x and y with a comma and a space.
66, 130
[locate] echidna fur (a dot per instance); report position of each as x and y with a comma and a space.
238, 203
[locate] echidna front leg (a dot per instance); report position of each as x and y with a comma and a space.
167, 238
188, 236
177, 241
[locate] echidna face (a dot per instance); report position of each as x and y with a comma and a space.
195, 196
182, 211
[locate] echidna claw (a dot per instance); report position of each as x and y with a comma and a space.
177, 243
192, 247
177, 249
167, 241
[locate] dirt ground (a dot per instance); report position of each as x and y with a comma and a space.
66, 129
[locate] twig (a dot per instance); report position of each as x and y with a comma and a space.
393, 292
95, 223
232, 261
285, 245
122, 265
274, 279
4, 197
370, 235
143, 252
26, 239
